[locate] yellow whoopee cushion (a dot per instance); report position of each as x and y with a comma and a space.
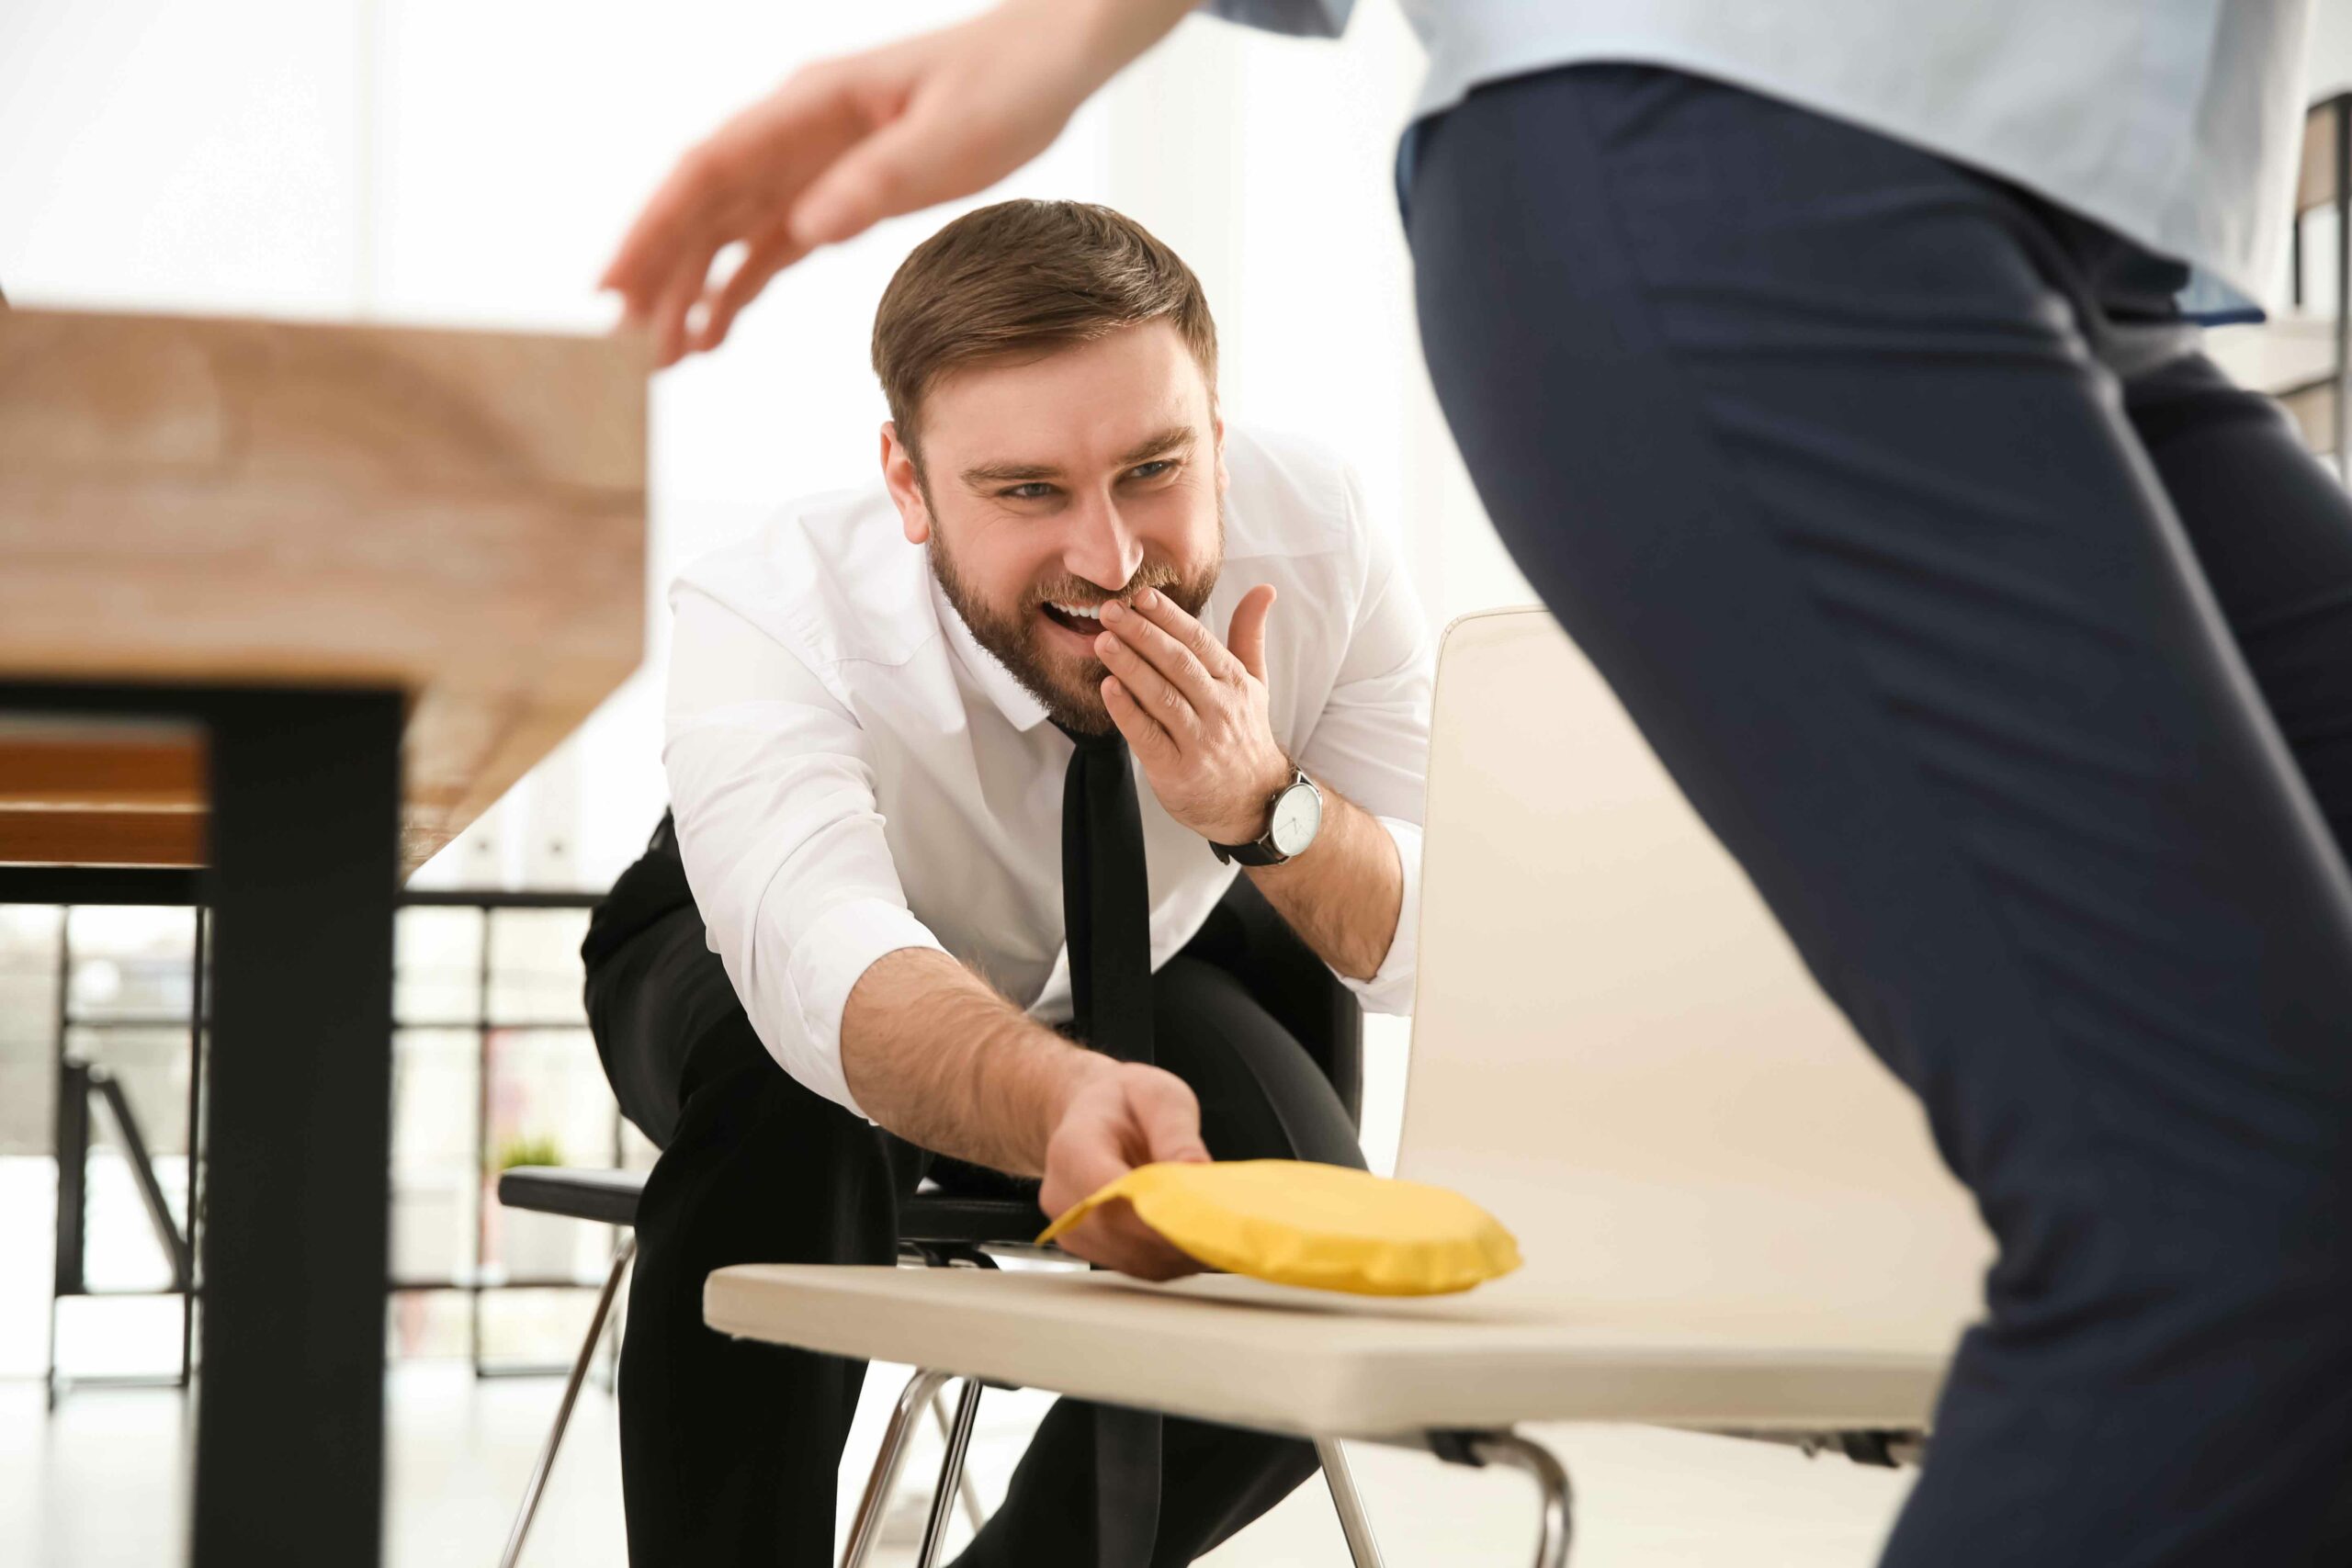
1325, 1227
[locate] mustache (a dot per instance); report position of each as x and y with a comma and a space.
1086, 595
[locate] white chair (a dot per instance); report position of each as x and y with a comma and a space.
1731, 1215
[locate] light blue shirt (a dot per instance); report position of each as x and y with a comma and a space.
2175, 122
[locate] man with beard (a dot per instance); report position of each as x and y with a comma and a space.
896, 717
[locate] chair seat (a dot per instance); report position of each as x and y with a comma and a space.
1248, 1354
938, 1217
610, 1197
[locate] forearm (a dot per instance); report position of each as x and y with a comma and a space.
939, 1058
1344, 895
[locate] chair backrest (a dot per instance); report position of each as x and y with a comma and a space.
1616, 1049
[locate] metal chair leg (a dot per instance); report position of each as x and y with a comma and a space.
951, 1474
1349, 1503
883, 1479
1510, 1448
964, 1489
538, 1482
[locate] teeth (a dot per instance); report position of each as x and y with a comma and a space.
1094, 614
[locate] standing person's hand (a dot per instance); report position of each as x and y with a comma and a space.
846, 142
1122, 1116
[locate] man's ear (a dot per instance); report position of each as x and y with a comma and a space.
905, 482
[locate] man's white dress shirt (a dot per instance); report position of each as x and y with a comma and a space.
853, 775
2176, 123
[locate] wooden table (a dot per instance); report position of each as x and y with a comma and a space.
292, 605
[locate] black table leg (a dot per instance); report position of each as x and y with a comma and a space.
289, 1440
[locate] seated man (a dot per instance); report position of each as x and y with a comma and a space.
905, 729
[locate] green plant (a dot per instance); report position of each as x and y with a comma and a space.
530, 1150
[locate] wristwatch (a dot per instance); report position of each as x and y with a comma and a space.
1293, 818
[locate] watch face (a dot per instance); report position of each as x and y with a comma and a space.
1298, 811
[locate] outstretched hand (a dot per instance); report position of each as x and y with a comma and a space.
846, 142
1122, 1117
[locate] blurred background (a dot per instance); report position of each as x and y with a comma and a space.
474, 162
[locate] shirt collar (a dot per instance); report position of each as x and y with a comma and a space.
1014, 701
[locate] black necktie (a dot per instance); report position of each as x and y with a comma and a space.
1107, 900
1106, 916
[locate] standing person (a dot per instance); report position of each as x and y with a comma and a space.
2004, 641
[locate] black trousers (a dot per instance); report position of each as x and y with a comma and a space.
729, 1449
2009, 648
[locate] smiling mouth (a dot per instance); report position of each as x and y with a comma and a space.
1085, 625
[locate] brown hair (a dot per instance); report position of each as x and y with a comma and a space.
1027, 277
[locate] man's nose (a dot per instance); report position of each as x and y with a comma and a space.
1101, 548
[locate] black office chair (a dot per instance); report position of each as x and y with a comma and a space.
935, 1229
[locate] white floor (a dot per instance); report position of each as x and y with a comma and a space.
97, 1485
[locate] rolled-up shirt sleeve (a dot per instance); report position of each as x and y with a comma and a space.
1300, 18
773, 788
1372, 740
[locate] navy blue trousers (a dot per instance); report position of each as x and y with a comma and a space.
2009, 648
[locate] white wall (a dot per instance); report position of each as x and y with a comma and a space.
2328, 67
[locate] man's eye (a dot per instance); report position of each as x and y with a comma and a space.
1036, 490
1152, 469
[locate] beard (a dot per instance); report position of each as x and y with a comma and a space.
1069, 688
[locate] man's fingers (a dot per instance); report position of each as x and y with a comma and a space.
735, 184
679, 297
1142, 732
690, 208
1173, 659
1138, 1117
648, 251
906, 163
1151, 1255
1091, 1169
1143, 681
1115, 1237
1169, 1115
774, 251
1246, 636
1216, 659
1097, 1242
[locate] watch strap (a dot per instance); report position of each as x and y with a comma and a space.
1262, 851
